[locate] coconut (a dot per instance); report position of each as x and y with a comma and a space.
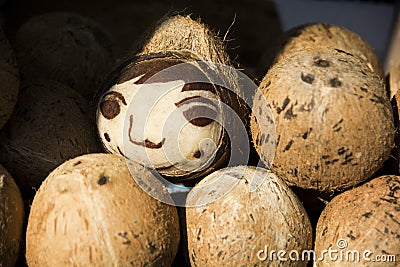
236, 216
362, 224
50, 125
11, 219
65, 47
169, 108
9, 80
323, 103
326, 35
91, 212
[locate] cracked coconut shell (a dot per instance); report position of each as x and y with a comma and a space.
327, 35
50, 125
11, 219
234, 213
65, 47
90, 211
333, 118
9, 80
366, 218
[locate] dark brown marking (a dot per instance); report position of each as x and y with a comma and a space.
199, 86
289, 113
146, 143
344, 52
103, 179
365, 90
200, 116
114, 95
284, 105
335, 82
327, 27
197, 154
367, 214
110, 108
77, 163
308, 78
107, 137
306, 134
322, 63
288, 146
198, 99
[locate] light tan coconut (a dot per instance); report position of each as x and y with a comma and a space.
50, 125
237, 216
325, 35
9, 80
333, 118
91, 212
361, 225
11, 219
65, 47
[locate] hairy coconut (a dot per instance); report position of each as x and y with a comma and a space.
333, 118
91, 212
326, 35
50, 125
65, 47
236, 216
11, 219
361, 224
9, 80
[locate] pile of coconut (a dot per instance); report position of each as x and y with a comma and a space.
170, 156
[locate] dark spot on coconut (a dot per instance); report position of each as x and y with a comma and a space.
198, 234
289, 113
325, 156
337, 127
288, 146
330, 162
295, 172
363, 73
267, 138
308, 78
386, 230
351, 236
307, 107
110, 109
322, 63
197, 154
284, 105
341, 151
305, 135
327, 28
377, 99
220, 253
367, 214
262, 138
77, 163
103, 179
107, 137
124, 236
267, 84
324, 231
344, 52
335, 82
152, 247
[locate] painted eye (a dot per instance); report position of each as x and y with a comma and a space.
201, 111
110, 106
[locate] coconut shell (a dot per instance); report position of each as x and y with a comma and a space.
49, 126
91, 212
65, 47
326, 35
334, 121
394, 81
180, 155
229, 220
11, 219
365, 218
9, 80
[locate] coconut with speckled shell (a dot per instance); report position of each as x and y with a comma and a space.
50, 125
234, 213
11, 219
91, 212
333, 118
65, 47
324, 35
163, 109
366, 218
9, 80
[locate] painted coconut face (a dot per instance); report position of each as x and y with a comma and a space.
158, 114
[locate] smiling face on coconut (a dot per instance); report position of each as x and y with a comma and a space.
154, 116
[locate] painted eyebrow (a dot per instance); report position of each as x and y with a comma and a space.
146, 143
116, 95
191, 99
199, 86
